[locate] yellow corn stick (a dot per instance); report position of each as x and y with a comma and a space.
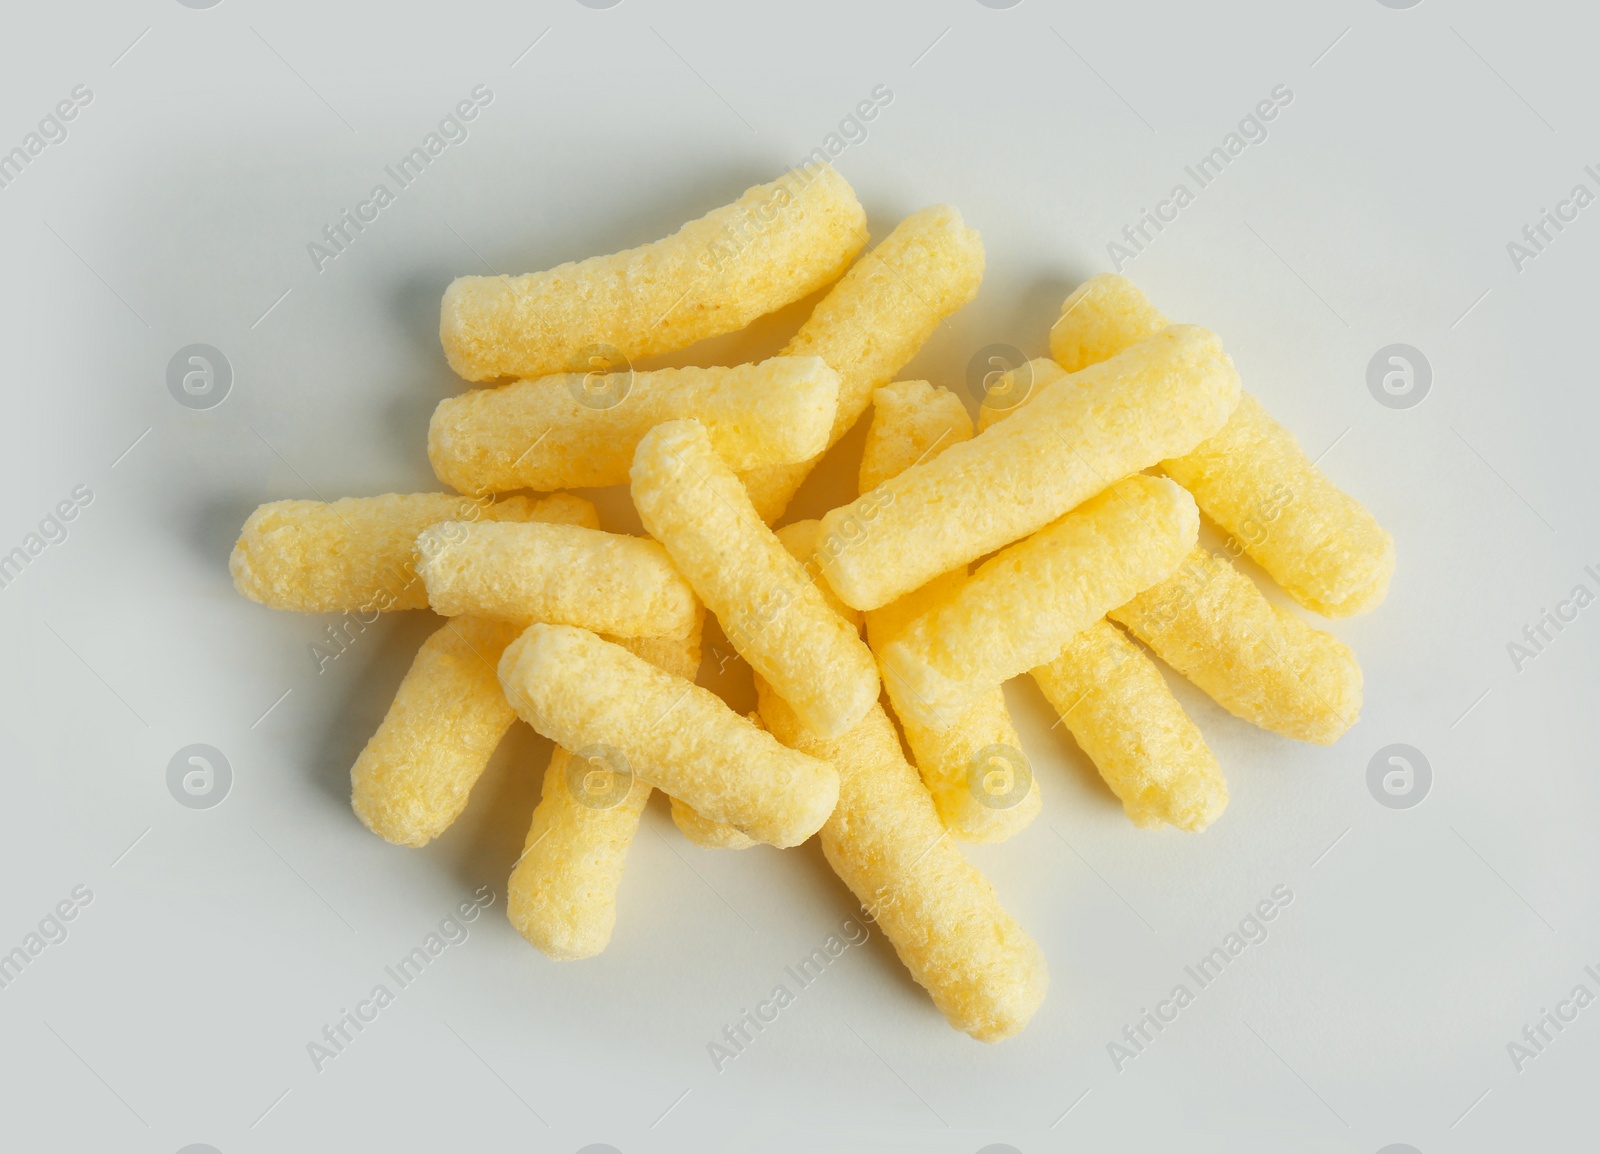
1024, 604
976, 772
1016, 388
775, 244
704, 832
413, 777
562, 895
986, 975
562, 574
1100, 318
581, 691
1115, 702
911, 421
1315, 540
768, 607
573, 430
1258, 661
874, 321
1085, 432
800, 539
359, 553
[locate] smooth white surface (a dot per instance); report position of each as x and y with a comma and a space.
178, 210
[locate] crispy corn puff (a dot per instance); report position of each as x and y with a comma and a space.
562, 895
562, 574
775, 244
1315, 540
986, 975
413, 776
1258, 661
574, 430
705, 833
1115, 702
1318, 542
359, 553
768, 607
1159, 398
1016, 388
1100, 318
875, 320
581, 691
955, 761
800, 539
911, 421
1024, 604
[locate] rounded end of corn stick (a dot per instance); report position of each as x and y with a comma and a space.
413, 777
943, 917
357, 554
1119, 708
1101, 317
562, 893
911, 421
708, 834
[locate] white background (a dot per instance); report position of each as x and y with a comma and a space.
1419, 142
